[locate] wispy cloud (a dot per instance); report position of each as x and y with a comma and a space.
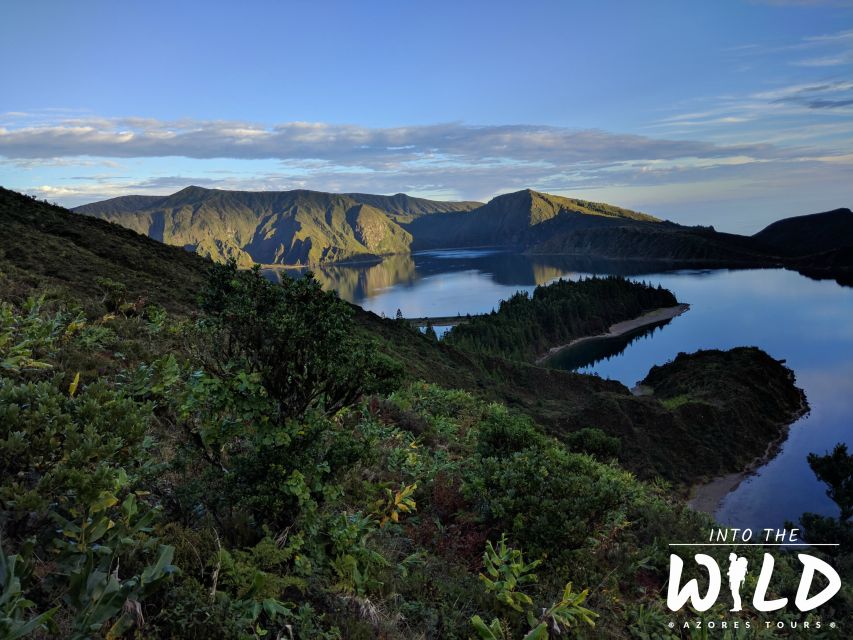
372, 148
445, 160
826, 61
799, 113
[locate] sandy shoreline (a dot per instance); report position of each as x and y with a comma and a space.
620, 328
708, 497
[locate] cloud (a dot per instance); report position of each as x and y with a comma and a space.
349, 145
443, 160
776, 117
829, 104
827, 95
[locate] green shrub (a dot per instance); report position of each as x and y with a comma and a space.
502, 433
62, 452
594, 442
299, 338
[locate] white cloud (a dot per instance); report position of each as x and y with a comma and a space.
348, 145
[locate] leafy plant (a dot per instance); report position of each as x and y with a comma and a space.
395, 503
556, 619
114, 294
28, 336
507, 574
15, 620
836, 471
568, 612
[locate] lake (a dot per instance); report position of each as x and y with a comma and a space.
808, 323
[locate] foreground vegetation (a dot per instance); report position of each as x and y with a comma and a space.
255, 466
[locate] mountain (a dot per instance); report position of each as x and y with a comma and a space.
315, 228
507, 220
818, 245
810, 234
286, 227
405, 208
637, 240
310, 227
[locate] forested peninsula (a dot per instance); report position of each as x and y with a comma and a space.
525, 326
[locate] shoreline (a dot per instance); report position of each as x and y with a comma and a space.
708, 496
621, 328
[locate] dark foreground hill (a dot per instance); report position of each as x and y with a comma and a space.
819, 245
47, 247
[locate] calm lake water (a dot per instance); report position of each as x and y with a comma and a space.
805, 322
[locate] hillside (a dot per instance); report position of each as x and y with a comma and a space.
405, 207
562, 402
508, 219
631, 240
47, 247
809, 234
286, 227
259, 445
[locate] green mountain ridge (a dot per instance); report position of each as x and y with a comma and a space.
310, 227
508, 220
287, 227
299, 228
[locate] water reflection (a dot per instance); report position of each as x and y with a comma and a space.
455, 281
358, 281
585, 355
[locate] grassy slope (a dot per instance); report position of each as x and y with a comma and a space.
44, 246
47, 247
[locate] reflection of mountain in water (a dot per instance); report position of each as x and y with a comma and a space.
591, 352
357, 281
518, 269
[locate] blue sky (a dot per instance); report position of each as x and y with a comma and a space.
731, 113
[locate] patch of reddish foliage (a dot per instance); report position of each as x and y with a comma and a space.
448, 527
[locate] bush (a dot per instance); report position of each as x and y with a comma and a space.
297, 337
502, 433
594, 442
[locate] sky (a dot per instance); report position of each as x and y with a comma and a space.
732, 113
